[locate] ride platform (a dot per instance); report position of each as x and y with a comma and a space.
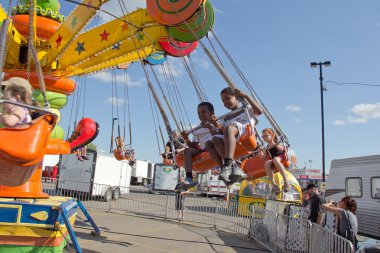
39, 225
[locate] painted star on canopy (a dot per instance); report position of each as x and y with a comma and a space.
74, 22
116, 46
59, 40
80, 47
104, 35
140, 36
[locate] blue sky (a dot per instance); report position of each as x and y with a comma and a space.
273, 42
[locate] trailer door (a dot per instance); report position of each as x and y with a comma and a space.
76, 175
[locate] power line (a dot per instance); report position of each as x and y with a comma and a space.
360, 84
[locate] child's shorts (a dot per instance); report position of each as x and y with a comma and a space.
242, 130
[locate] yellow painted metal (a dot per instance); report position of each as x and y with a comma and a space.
41, 216
117, 42
14, 40
3, 13
125, 59
130, 50
65, 34
34, 230
96, 44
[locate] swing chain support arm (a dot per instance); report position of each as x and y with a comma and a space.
232, 85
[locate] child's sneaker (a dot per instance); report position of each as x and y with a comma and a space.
226, 173
238, 174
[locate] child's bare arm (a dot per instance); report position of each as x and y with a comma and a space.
256, 108
11, 119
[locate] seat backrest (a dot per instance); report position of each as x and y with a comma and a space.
26, 143
22, 149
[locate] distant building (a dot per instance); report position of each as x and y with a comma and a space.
306, 176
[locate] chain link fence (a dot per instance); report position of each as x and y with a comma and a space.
280, 227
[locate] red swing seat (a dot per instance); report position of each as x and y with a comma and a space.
23, 148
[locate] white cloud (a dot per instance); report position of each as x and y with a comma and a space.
370, 111
176, 67
298, 121
339, 122
216, 10
293, 108
106, 77
362, 114
201, 62
116, 101
114, 8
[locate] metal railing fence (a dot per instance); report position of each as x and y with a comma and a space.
280, 227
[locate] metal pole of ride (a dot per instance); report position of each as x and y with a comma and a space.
113, 124
3, 45
164, 117
322, 89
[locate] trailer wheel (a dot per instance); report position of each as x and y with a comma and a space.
108, 195
116, 193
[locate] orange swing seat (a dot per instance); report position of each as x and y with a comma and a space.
204, 161
22, 150
254, 166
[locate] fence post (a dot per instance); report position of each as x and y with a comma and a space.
167, 207
215, 213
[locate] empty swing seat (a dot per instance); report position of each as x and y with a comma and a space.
204, 161
22, 149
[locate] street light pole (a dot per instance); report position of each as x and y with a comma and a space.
113, 123
314, 65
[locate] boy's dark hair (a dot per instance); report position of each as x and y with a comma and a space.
209, 106
228, 90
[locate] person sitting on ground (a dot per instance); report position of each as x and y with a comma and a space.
201, 135
222, 147
179, 146
16, 90
276, 154
317, 214
347, 225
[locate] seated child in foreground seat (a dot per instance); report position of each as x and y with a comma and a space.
222, 148
200, 137
16, 90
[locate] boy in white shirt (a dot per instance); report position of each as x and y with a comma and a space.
201, 136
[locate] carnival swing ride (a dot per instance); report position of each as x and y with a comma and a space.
41, 45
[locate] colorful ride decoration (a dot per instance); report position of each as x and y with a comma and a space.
196, 27
255, 192
177, 48
156, 58
63, 53
85, 132
35, 225
169, 12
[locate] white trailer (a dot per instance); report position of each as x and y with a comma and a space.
142, 172
101, 175
359, 178
209, 184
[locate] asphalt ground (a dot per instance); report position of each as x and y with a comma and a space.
123, 232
